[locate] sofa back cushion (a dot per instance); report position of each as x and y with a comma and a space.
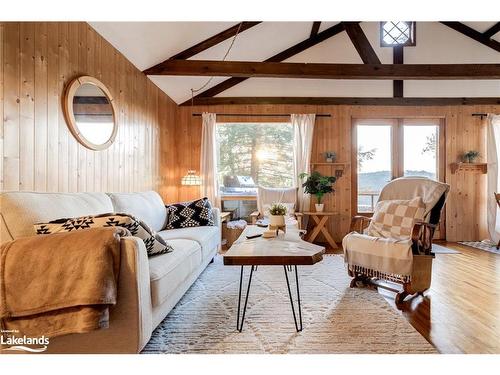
21, 210
147, 206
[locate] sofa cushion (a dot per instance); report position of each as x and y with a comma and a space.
169, 271
155, 244
197, 213
147, 206
207, 237
20, 210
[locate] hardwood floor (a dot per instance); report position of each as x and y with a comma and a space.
460, 313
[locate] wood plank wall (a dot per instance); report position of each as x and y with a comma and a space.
38, 153
466, 210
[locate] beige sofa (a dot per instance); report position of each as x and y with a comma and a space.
148, 287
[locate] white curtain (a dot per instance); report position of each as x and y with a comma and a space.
303, 129
208, 159
493, 151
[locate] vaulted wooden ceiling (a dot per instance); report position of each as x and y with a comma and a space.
269, 61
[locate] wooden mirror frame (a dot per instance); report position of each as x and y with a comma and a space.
70, 117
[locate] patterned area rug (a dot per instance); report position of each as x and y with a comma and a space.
483, 245
337, 319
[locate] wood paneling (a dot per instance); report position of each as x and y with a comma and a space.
37, 60
466, 211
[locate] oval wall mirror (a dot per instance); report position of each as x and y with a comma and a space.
90, 113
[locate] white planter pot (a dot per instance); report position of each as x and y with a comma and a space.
277, 220
319, 207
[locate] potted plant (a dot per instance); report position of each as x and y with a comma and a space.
330, 156
470, 156
277, 213
318, 185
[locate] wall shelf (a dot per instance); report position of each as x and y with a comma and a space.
338, 167
475, 167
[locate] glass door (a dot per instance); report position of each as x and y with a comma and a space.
385, 149
421, 148
374, 161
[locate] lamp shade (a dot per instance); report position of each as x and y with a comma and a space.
191, 179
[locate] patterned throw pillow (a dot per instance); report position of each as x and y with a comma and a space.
196, 213
155, 245
396, 218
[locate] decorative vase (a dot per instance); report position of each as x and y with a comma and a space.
319, 207
277, 220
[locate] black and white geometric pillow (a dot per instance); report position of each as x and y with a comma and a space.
155, 245
196, 213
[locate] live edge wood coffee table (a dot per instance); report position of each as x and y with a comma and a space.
287, 250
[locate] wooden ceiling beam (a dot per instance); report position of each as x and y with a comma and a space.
473, 34
315, 29
361, 43
398, 58
492, 30
286, 54
210, 42
248, 69
344, 101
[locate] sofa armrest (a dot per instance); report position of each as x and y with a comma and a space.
217, 219
130, 320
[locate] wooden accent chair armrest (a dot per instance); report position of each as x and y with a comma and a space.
254, 216
421, 237
358, 223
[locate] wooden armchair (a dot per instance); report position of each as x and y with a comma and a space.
421, 238
268, 196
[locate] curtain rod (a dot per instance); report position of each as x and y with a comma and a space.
259, 114
480, 115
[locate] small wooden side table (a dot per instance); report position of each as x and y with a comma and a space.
225, 217
320, 226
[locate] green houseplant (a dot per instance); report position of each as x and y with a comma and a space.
277, 213
318, 185
470, 156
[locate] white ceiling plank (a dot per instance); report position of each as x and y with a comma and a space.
148, 43
310, 88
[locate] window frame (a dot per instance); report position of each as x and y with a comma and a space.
246, 120
412, 40
397, 149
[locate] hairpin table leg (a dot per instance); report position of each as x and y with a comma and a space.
239, 325
297, 326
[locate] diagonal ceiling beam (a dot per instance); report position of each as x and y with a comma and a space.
248, 69
492, 30
361, 43
286, 54
315, 28
473, 34
210, 42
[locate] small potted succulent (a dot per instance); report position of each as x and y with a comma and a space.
470, 156
318, 185
330, 156
277, 213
